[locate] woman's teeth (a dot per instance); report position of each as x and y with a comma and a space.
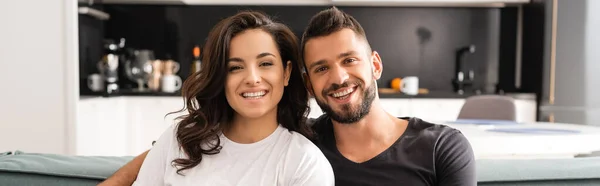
339, 95
254, 95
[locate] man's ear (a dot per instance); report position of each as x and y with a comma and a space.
308, 84
376, 65
287, 72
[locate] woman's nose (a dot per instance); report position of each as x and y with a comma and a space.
254, 77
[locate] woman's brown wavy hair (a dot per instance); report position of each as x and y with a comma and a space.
204, 96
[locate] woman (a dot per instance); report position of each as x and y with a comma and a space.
247, 109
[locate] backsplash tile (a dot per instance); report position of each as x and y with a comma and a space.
411, 41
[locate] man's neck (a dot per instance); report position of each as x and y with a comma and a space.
370, 136
250, 130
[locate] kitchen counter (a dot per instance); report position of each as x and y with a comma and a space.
446, 95
131, 93
430, 95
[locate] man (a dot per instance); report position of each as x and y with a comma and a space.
364, 144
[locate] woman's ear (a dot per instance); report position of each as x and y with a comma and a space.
287, 72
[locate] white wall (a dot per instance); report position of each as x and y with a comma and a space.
38, 65
593, 60
593, 53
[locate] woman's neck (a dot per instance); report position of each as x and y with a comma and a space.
250, 130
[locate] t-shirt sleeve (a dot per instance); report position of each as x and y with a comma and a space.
153, 169
455, 161
310, 122
313, 168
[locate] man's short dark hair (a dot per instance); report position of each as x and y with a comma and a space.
329, 21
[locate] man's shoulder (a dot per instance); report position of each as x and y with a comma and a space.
315, 122
441, 137
320, 125
421, 127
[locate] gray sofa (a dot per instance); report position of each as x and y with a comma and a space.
31, 169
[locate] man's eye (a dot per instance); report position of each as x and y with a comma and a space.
320, 69
350, 60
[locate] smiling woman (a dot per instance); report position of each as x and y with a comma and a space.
254, 82
246, 115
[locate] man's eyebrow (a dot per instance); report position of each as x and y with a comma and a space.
346, 54
320, 62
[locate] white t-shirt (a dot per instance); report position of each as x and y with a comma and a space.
283, 158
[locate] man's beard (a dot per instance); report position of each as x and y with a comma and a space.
349, 113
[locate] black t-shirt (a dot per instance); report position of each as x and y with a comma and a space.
426, 154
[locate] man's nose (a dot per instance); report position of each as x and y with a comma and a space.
338, 75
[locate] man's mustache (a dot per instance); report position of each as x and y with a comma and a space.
334, 87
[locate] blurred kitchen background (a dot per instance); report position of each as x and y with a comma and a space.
80, 75
413, 41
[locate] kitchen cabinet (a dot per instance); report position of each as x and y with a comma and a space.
526, 110
222, 2
122, 126
127, 125
148, 119
437, 3
449, 109
315, 110
436, 109
102, 128
397, 107
257, 2
165, 2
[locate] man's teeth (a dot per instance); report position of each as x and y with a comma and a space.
343, 93
254, 94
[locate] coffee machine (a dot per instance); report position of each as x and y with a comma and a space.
109, 65
463, 81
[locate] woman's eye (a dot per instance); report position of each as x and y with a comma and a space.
233, 68
266, 64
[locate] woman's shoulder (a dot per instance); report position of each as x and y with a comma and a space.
306, 164
167, 142
300, 145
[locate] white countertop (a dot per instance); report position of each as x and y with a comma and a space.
492, 144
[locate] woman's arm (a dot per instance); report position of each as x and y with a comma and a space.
152, 171
127, 174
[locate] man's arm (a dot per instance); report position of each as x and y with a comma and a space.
127, 174
455, 161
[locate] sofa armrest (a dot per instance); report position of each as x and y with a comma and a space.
522, 170
60, 167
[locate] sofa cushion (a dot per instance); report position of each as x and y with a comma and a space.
32, 169
567, 171
53, 169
